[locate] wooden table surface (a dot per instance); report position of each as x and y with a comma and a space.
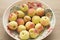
54, 4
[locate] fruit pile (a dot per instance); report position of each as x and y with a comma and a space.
30, 20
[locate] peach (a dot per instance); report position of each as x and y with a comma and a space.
45, 21
24, 35
39, 27
20, 14
35, 19
24, 7
27, 18
40, 11
20, 28
29, 25
12, 25
12, 17
31, 12
33, 33
20, 21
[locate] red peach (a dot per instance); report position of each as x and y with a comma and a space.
39, 27
29, 25
31, 12
20, 21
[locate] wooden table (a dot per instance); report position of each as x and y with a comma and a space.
54, 4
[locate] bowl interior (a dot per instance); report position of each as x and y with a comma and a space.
14, 34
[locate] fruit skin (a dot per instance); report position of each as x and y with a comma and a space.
40, 11
29, 25
45, 21
20, 21
12, 17
12, 25
24, 7
39, 27
31, 12
35, 19
20, 14
21, 28
27, 18
33, 33
24, 34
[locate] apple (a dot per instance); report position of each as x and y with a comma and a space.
31, 12
33, 33
39, 27
20, 14
12, 25
35, 19
29, 25
24, 34
40, 11
45, 21
27, 18
20, 28
20, 21
12, 17
24, 7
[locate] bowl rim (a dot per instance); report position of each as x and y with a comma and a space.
22, 0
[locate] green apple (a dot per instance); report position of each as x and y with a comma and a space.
20, 28
33, 33
24, 7
12, 25
24, 34
35, 19
45, 21
12, 17
40, 11
20, 14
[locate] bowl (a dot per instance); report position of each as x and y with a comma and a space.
14, 34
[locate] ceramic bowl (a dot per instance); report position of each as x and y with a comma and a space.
14, 34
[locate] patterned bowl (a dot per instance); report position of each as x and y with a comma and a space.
14, 34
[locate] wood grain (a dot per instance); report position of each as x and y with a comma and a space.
54, 4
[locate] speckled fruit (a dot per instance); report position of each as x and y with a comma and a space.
24, 34
20, 14
27, 18
39, 27
45, 21
12, 17
20, 21
24, 7
35, 19
12, 25
29, 25
20, 28
33, 33
31, 12
40, 11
